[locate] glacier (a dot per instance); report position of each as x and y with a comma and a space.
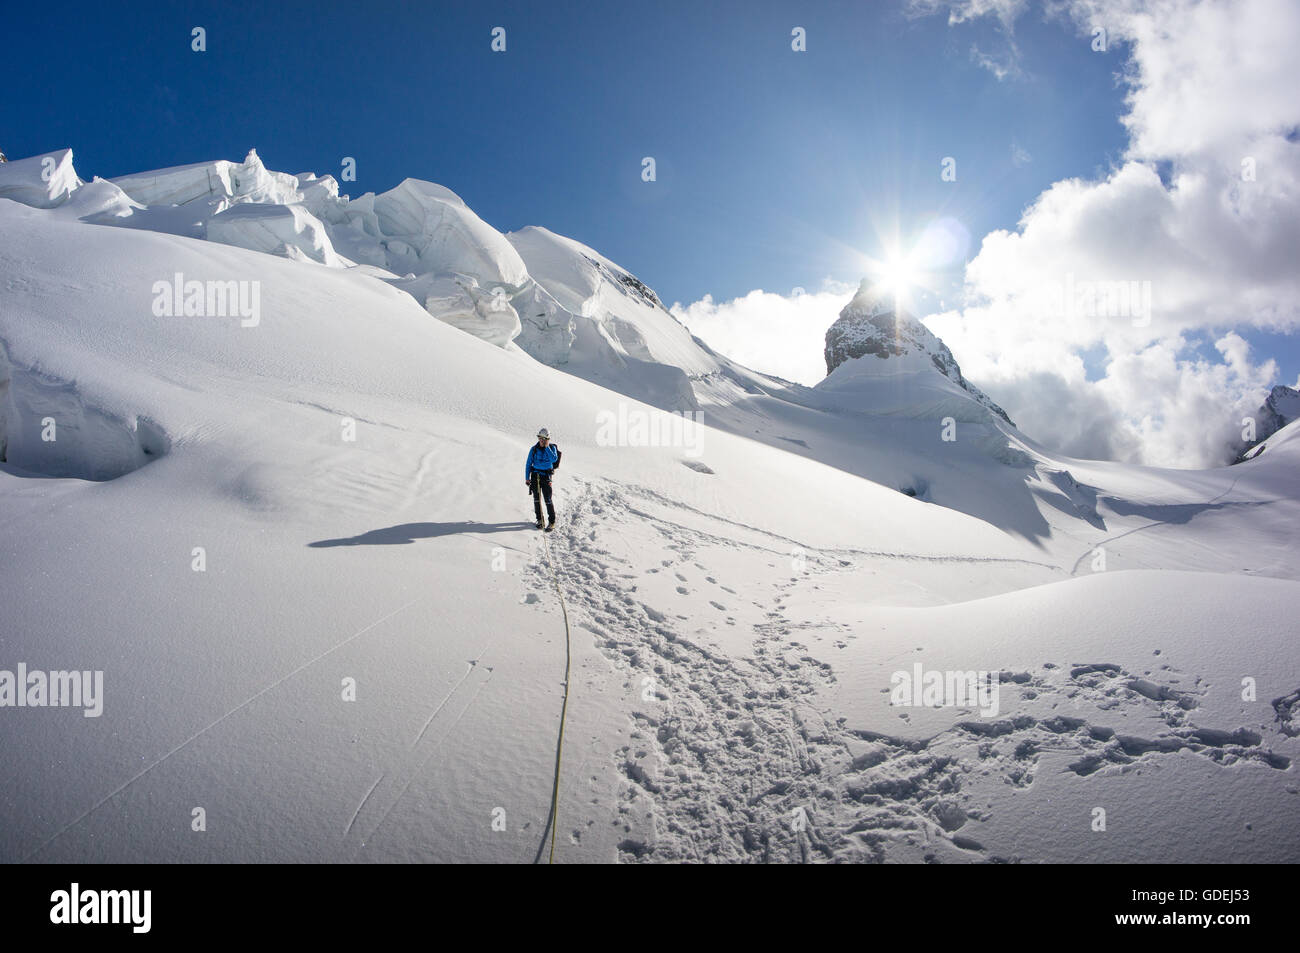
297, 552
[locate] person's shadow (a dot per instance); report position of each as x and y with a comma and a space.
410, 532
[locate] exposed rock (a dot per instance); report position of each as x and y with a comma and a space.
870, 326
1280, 407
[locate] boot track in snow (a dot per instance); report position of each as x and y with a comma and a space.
737, 759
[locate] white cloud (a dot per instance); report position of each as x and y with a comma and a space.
1162, 403
1008, 64
1006, 12
1207, 78
959, 11
777, 334
1212, 99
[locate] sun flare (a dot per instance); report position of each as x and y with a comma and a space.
897, 277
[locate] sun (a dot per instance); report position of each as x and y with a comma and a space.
912, 274
897, 276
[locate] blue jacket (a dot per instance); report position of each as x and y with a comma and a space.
540, 458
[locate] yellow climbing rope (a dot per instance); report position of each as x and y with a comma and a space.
564, 708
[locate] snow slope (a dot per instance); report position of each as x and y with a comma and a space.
736, 606
623, 336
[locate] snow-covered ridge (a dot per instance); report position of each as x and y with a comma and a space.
560, 301
221, 181
565, 305
42, 181
557, 299
619, 332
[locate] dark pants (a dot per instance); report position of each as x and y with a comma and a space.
542, 488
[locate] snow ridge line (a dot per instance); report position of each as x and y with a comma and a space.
1141, 529
832, 550
357, 812
564, 707
419, 769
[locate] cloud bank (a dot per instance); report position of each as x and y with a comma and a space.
1199, 222
777, 334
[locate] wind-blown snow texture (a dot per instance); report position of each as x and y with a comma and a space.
739, 598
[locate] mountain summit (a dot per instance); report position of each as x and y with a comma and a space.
872, 329
1281, 407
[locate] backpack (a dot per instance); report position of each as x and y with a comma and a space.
558, 454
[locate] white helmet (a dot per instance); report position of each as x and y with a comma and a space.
544, 433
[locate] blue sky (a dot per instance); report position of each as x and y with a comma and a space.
775, 168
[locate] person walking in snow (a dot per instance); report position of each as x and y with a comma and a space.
543, 460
